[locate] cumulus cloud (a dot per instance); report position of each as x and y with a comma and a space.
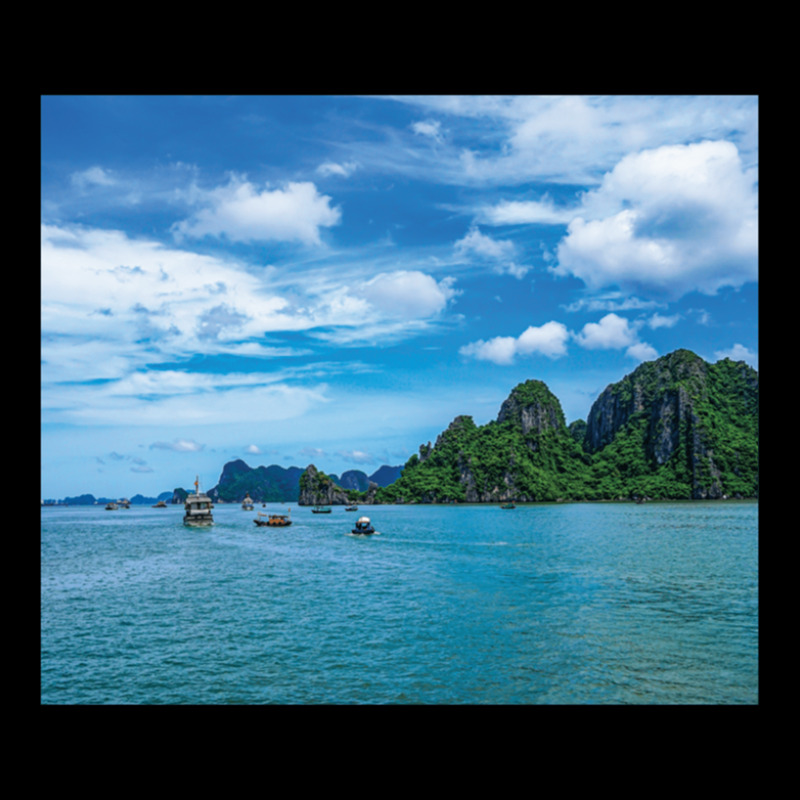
549, 340
670, 220
242, 212
613, 332
407, 293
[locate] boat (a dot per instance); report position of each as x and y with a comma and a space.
247, 503
160, 504
111, 507
124, 503
272, 520
321, 510
363, 526
351, 508
508, 505
198, 508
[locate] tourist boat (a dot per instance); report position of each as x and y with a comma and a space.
198, 508
247, 503
508, 505
124, 503
160, 504
363, 526
111, 507
351, 508
272, 520
321, 510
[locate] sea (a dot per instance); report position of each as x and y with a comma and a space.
543, 604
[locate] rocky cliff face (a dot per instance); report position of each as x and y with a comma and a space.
319, 489
676, 427
533, 407
687, 414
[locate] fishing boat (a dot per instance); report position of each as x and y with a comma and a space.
321, 510
272, 520
198, 508
160, 504
508, 505
247, 503
363, 526
351, 508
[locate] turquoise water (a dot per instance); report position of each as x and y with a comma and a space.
611, 603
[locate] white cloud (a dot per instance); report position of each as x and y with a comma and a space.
641, 351
500, 252
357, 457
660, 321
485, 246
611, 333
341, 170
549, 339
241, 212
670, 220
739, 353
94, 176
527, 212
179, 446
429, 128
407, 293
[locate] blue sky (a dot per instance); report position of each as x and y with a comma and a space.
331, 280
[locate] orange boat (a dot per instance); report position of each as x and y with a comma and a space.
272, 520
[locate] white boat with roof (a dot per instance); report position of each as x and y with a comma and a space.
197, 508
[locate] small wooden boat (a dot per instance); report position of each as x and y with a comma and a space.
508, 505
351, 508
321, 510
363, 526
272, 520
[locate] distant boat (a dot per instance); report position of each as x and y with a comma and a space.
272, 520
160, 504
124, 503
363, 526
197, 508
351, 508
321, 510
508, 505
247, 503
111, 507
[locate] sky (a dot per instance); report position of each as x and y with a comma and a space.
333, 279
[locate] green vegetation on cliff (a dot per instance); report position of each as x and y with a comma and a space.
675, 428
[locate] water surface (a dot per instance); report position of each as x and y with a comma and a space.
602, 603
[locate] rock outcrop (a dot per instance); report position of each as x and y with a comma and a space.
319, 489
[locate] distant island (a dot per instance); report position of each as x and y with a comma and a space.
677, 427
273, 484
